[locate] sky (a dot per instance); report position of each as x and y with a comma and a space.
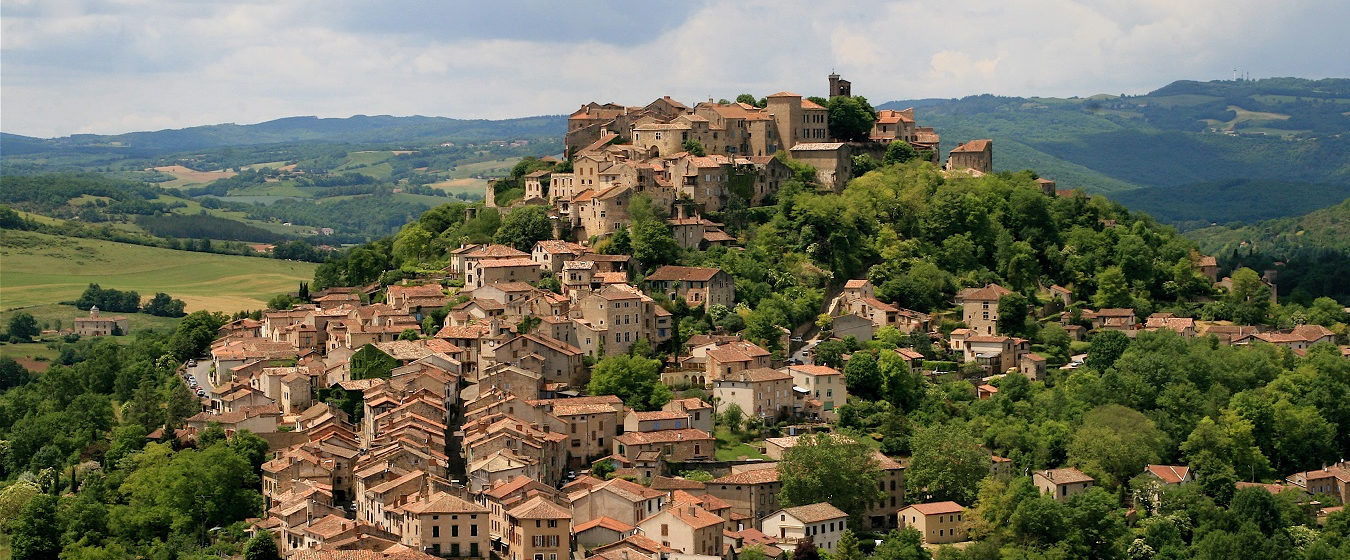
113, 66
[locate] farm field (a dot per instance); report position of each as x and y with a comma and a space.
39, 269
184, 176
466, 185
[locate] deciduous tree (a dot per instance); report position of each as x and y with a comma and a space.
828, 468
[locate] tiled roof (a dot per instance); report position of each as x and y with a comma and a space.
1066, 475
814, 513
753, 476
684, 273
817, 146
974, 146
663, 436
605, 522
1170, 474
539, 508
937, 508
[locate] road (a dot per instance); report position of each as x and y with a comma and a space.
804, 354
201, 371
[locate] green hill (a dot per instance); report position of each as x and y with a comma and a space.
1328, 228
1285, 135
44, 269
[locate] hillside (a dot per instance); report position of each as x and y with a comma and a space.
1278, 132
1325, 228
359, 129
44, 269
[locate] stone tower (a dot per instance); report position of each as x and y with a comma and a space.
840, 86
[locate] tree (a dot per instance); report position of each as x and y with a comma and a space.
830, 353
899, 151
902, 544
23, 327
263, 546
12, 374
947, 464
1013, 312
634, 379
847, 547
36, 534
830, 468
862, 376
523, 227
1114, 443
1105, 349
732, 416
1250, 297
851, 118
1112, 289
694, 147
164, 306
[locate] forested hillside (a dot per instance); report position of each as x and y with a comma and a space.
1276, 132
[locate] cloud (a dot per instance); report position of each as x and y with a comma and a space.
120, 65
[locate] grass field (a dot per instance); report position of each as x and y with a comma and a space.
494, 168
184, 177
38, 269
731, 447
466, 185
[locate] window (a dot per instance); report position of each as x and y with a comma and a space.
435, 531
454, 530
665, 530
552, 523
473, 530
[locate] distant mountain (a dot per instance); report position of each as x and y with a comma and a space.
1247, 201
359, 129
1328, 228
1272, 141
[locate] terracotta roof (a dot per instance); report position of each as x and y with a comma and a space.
808, 104
1115, 312
816, 370
605, 522
855, 284
974, 146
539, 508
510, 262
937, 508
760, 375
684, 273
814, 513
1170, 474
442, 502
659, 415
990, 292
663, 436
783, 94
496, 251
695, 516
753, 476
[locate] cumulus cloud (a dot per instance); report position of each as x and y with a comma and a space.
110, 66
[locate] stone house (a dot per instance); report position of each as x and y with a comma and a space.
979, 307
688, 529
697, 285
672, 445
446, 525
1062, 483
822, 383
538, 529
752, 493
761, 392
822, 523
97, 325
937, 522
700, 413
723, 360
977, 155
616, 498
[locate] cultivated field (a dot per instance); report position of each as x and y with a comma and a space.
184, 177
39, 269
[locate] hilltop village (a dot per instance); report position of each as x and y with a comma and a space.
512, 405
